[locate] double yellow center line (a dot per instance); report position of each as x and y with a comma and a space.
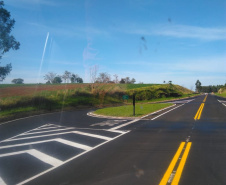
169, 176
199, 112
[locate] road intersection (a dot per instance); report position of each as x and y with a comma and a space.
165, 147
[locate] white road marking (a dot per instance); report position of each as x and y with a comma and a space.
19, 134
2, 182
76, 145
42, 173
123, 125
93, 135
51, 160
45, 158
30, 133
108, 123
75, 132
166, 112
39, 155
117, 131
62, 133
45, 128
222, 101
50, 140
181, 101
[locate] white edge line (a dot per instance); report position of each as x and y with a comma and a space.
2, 182
38, 175
130, 122
166, 112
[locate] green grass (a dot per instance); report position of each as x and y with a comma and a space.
16, 111
222, 95
127, 111
135, 86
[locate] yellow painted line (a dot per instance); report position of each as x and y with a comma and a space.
180, 168
198, 114
205, 98
172, 165
201, 111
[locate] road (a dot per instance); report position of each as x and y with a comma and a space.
183, 144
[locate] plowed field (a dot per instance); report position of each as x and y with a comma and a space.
32, 89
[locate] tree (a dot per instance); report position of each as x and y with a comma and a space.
76, 79
127, 80
7, 41
122, 81
18, 81
116, 78
198, 86
57, 80
103, 78
50, 76
132, 81
79, 80
66, 76
93, 73
4, 71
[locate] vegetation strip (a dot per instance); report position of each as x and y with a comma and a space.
127, 111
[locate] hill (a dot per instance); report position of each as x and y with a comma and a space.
35, 98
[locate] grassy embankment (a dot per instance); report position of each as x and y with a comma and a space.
221, 92
23, 100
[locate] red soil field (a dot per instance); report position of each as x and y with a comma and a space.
32, 89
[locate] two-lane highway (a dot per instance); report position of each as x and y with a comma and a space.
183, 144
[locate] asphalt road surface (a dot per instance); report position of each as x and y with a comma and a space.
184, 144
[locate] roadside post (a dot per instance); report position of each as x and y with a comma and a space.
133, 104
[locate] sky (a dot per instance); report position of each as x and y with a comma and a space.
150, 40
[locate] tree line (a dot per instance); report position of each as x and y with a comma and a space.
207, 89
106, 78
67, 77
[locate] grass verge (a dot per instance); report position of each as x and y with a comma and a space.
127, 111
222, 95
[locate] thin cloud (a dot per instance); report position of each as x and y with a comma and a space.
184, 31
70, 30
177, 31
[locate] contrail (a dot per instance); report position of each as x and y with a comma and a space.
43, 54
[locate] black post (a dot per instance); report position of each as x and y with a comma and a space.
134, 104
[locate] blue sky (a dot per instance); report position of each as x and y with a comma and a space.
150, 40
